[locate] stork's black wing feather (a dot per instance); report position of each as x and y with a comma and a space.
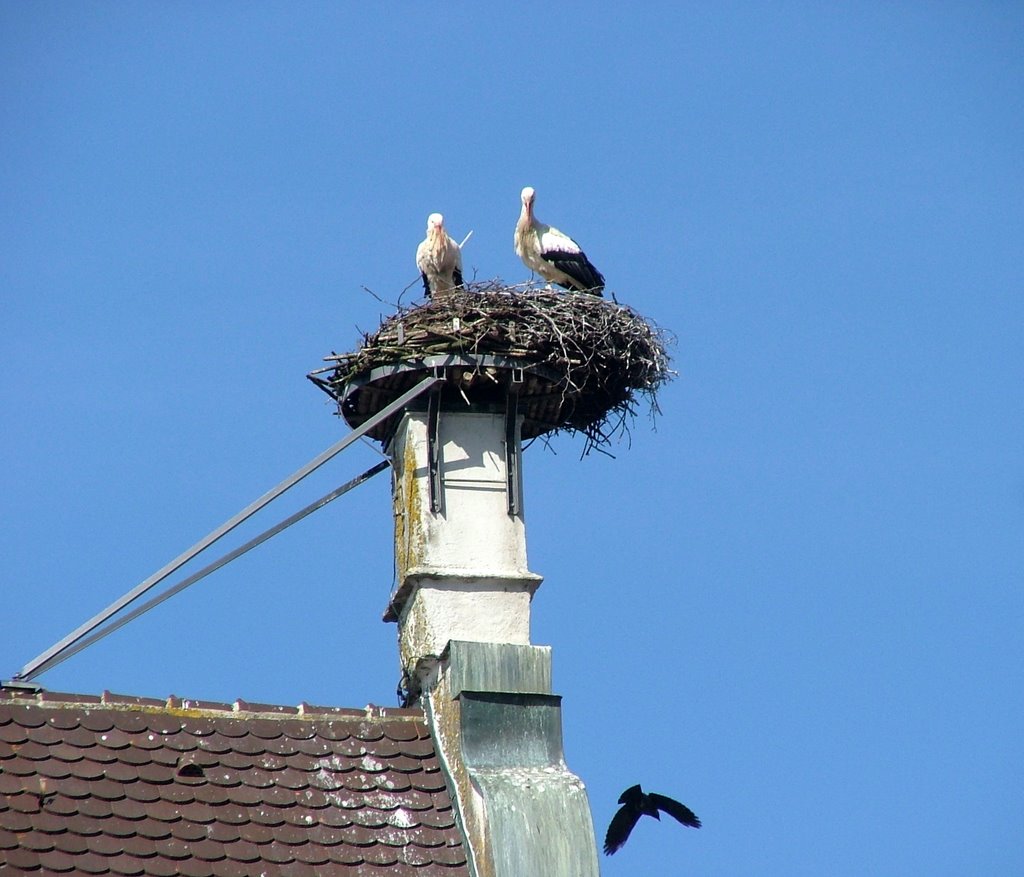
618, 830
457, 276
578, 267
426, 284
673, 808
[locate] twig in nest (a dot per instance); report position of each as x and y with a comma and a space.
382, 300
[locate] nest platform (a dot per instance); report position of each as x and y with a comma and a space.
576, 362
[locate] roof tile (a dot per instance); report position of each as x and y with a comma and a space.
150, 830
172, 848
335, 817
13, 733
417, 856
215, 796
379, 854
314, 747
403, 731
20, 859
217, 744
133, 755
298, 869
95, 764
33, 750
120, 828
56, 862
97, 720
289, 778
129, 809
148, 741
278, 853
243, 851
197, 811
32, 717
131, 722
104, 788
128, 865
93, 808
65, 720
311, 854
272, 816
179, 793
164, 723
166, 757
225, 832
37, 842
349, 855
13, 824
66, 752
227, 779
449, 855
209, 850
280, 796
72, 844
194, 867
232, 815
106, 845
290, 834
143, 788
158, 866
24, 802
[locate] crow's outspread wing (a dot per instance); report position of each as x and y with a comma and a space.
621, 825
673, 808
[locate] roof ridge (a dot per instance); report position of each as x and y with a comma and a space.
195, 706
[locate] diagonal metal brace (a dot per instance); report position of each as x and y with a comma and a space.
153, 602
32, 667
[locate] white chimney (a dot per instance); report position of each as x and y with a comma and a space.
460, 539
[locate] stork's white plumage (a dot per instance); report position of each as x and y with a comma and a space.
553, 255
439, 258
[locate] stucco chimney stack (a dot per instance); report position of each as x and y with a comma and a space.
460, 538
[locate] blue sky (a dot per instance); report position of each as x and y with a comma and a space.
795, 604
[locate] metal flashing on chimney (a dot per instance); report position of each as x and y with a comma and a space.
521, 809
514, 669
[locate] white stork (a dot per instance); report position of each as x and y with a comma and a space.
553, 255
439, 258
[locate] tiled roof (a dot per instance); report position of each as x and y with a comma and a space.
133, 786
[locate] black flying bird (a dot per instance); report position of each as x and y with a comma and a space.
635, 803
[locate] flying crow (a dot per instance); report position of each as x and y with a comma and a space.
635, 803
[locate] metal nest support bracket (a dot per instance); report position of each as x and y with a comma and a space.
513, 448
434, 449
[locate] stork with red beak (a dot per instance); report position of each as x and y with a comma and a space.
553, 255
439, 258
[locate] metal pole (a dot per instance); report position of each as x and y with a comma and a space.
30, 668
73, 649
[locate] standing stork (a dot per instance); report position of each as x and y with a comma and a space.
439, 258
553, 255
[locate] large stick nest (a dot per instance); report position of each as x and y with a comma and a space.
603, 356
